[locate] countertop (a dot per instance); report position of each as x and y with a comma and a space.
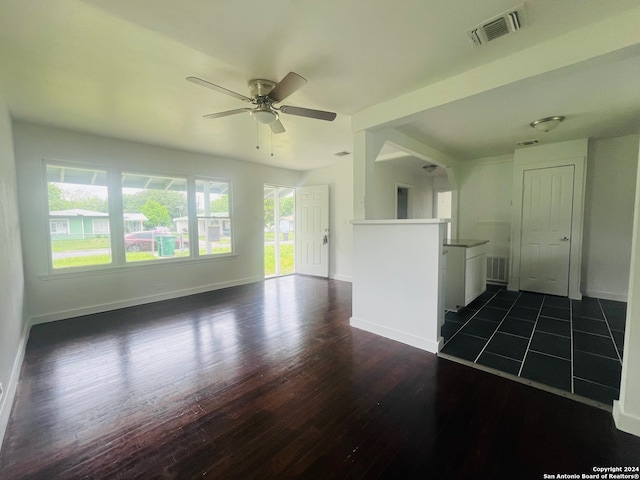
463, 242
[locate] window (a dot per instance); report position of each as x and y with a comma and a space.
162, 216
77, 197
214, 217
155, 217
101, 226
59, 227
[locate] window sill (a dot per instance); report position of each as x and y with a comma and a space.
132, 266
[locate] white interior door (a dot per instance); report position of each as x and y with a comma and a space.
546, 230
312, 230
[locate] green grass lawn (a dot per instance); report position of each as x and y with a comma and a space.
217, 249
270, 236
286, 254
286, 259
85, 244
88, 260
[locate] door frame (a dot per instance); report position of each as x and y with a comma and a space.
276, 230
540, 158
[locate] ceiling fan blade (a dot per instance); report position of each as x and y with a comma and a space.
277, 127
289, 84
227, 113
308, 112
218, 88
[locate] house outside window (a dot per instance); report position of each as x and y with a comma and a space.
78, 205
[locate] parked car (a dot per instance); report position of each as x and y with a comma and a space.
141, 241
162, 230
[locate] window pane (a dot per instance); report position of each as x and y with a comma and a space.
214, 218
78, 216
155, 217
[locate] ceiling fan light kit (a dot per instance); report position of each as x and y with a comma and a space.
264, 115
547, 124
264, 94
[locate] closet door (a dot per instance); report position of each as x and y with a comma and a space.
545, 245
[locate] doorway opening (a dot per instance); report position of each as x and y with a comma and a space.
402, 201
279, 230
442, 207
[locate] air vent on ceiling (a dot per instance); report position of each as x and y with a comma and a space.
496, 27
528, 143
342, 153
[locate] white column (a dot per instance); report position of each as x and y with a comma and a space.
626, 411
366, 146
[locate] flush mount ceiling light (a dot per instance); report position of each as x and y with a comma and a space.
547, 124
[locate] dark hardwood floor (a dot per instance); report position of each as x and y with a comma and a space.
269, 381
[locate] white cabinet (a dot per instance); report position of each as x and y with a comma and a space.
466, 274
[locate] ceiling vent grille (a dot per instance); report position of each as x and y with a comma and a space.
528, 143
499, 26
342, 153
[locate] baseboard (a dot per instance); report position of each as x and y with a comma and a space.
618, 297
625, 422
402, 337
342, 278
12, 387
105, 307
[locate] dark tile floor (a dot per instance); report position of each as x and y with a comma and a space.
572, 345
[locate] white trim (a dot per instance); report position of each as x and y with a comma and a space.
624, 421
12, 386
398, 336
618, 297
104, 307
342, 278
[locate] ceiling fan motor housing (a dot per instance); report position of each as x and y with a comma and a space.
260, 87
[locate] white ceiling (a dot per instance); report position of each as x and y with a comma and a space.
118, 68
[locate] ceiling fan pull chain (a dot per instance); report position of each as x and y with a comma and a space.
272, 143
257, 138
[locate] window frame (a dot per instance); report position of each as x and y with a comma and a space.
229, 217
116, 222
47, 213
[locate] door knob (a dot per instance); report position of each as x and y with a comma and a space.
564, 239
325, 240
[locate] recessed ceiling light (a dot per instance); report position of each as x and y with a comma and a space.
342, 153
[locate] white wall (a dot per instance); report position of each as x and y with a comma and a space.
387, 174
12, 332
484, 201
608, 222
485, 211
626, 411
339, 177
55, 296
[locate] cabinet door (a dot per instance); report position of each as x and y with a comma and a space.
475, 277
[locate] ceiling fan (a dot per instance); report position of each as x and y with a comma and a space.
264, 94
